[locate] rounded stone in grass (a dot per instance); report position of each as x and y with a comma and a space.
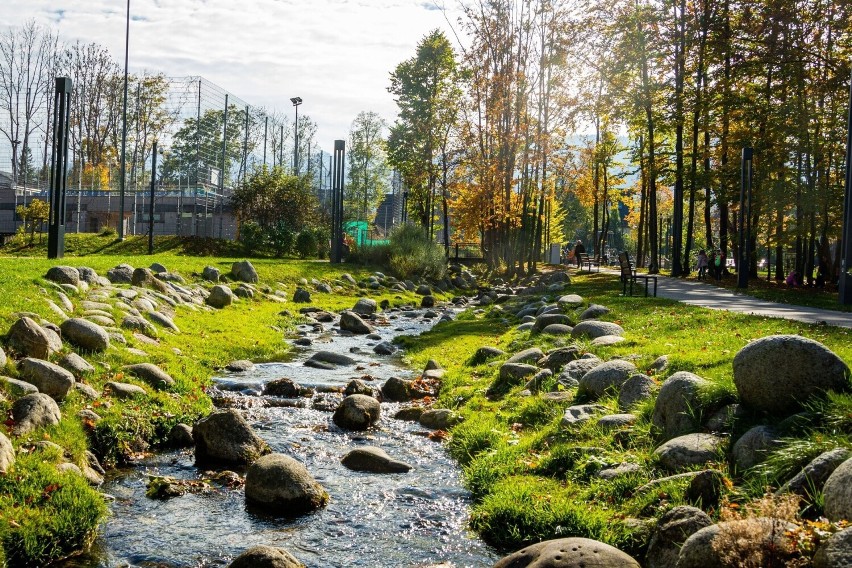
568, 553
34, 411
85, 334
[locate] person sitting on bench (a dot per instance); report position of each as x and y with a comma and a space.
578, 250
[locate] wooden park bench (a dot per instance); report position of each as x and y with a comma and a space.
586, 260
629, 275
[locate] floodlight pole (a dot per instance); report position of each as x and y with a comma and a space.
845, 288
296, 102
153, 195
59, 168
745, 218
122, 181
337, 203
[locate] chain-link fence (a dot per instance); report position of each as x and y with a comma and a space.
208, 141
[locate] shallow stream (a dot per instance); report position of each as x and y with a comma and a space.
372, 520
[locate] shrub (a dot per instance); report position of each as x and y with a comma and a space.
306, 244
281, 239
323, 238
252, 237
412, 253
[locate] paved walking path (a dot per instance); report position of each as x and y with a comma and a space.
708, 296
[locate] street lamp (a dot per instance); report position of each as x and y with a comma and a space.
296, 102
121, 181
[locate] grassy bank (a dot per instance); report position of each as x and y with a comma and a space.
46, 514
533, 479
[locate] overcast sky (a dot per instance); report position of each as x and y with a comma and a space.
335, 54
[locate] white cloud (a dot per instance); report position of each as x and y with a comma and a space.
335, 54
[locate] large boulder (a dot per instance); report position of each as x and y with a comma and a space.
752, 447
225, 436
677, 407
7, 454
34, 411
63, 275
151, 374
365, 307
30, 339
605, 377
751, 535
243, 271
779, 373
593, 329
568, 553
373, 460
357, 412
282, 485
350, 321
263, 556
813, 476
85, 334
689, 451
836, 552
673, 528
48, 378
220, 296
838, 493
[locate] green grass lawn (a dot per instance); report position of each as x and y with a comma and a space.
533, 479
45, 514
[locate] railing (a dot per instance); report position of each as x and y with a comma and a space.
469, 252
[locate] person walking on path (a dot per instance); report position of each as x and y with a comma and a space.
702, 265
578, 250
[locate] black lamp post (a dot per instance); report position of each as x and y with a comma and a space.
122, 180
296, 102
745, 218
845, 289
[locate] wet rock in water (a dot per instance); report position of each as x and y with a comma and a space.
285, 388
568, 553
85, 334
637, 388
754, 446
605, 377
180, 436
484, 354
211, 274
836, 552
813, 476
17, 387
439, 418
48, 378
593, 329
594, 312
350, 321
690, 450
151, 374
779, 373
124, 390
303, 341
314, 364
75, 364
33, 411
225, 436
397, 390
357, 386
678, 404
373, 460
240, 366
365, 307
282, 485
673, 528
63, 275
837, 493
357, 412
301, 296
427, 301
385, 348
410, 414
7, 454
332, 358
580, 413
220, 296
263, 556
243, 271
30, 339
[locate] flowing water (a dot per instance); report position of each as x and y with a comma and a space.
372, 520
